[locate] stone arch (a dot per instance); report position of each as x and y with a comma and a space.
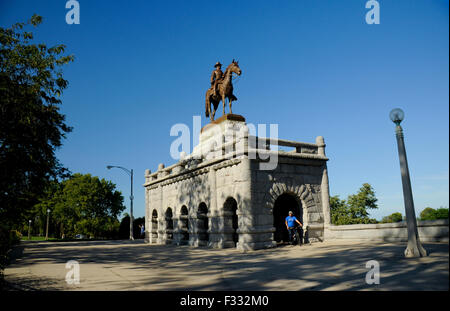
285, 202
310, 204
184, 223
202, 224
302, 192
231, 225
154, 226
169, 225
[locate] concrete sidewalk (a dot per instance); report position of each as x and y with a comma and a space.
126, 265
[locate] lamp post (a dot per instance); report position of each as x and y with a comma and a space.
414, 247
48, 218
130, 173
29, 229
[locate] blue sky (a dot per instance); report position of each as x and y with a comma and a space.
313, 67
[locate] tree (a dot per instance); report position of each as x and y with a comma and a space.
86, 205
31, 126
354, 210
428, 214
394, 217
339, 211
433, 214
360, 202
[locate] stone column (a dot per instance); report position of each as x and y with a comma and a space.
148, 218
161, 217
213, 211
147, 222
324, 188
184, 219
255, 224
193, 236
176, 230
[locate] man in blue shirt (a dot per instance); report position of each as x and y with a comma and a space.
142, 231
290, 225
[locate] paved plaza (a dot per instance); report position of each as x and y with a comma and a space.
133, 265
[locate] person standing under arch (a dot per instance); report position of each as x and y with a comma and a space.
290, 225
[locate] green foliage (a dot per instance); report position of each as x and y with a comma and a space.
15, 236
433, 214
394, 217
442, 213
31, 125
354, 209
339, 211
83, 204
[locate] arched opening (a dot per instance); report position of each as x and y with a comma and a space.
231, 218
169, 225
154, 226
202, 223
283, 204
184, 221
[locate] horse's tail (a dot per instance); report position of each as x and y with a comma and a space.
207, 105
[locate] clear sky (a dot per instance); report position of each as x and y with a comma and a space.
313, 67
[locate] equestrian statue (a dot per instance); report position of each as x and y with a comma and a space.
221, 88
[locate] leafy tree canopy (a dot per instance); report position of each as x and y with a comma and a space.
433, 214
31, 125
354, 210
84, 204
394, 217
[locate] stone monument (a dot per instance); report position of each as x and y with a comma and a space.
235, 189
220, 197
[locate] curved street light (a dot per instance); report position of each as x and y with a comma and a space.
414, 248
130, 173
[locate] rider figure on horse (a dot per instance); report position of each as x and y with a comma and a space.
216, 77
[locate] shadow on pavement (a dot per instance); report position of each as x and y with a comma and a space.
321, 267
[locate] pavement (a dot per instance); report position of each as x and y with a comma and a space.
133, 265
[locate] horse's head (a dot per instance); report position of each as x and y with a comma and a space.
234, 67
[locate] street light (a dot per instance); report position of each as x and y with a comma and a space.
131, 196
48, 218
29, 229
414, 247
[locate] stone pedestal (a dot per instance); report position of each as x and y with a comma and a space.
220, 137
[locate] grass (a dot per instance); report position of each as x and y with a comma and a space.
38, 238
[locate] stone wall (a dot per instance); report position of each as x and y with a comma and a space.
429, 231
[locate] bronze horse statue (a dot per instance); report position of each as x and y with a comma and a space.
224, 91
